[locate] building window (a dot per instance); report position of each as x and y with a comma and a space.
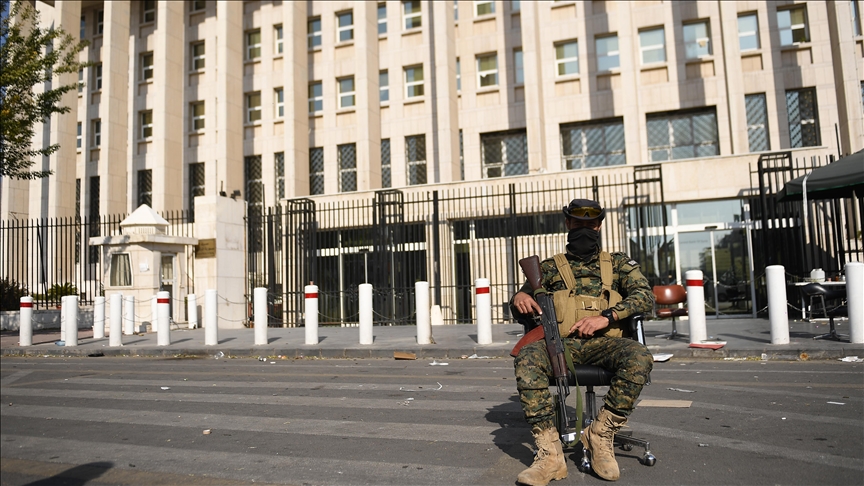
313, 33
608, 57
458, 74
386, 174
198, 5
316, 97
148, 10
100, 22
697, 40
277, 35
757, 122
346, 92
593, 144
413, 81
146, 66
792, 23
97, 77
456, 10
483, 8
515, 6
253, 107
487, 70
802, 110
415, 158
344, 26
279, 99
198, 59
197, 116
856, 22
316, 170
253, 44
96, 133
197, 183
81, 80
518, 67
382, 18
683, 135
145, 187
146, 118
652, 44
347, 167
279, 170
567, 58
748, 32
82, 31
121, 270
78, 135
411, 15
461, 157
504, 153
383, 86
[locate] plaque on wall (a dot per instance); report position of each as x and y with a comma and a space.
206, 248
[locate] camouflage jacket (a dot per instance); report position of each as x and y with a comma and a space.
627, 280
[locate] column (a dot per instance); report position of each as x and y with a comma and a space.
114, 109
532, 49
228, 173
445, 139
296, 86
168, 106
367, 97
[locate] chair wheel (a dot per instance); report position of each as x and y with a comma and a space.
626, 447
649, 460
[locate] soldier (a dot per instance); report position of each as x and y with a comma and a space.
592, 290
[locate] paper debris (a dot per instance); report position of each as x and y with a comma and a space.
206, 432
659, 358
851, 359
665, 403
166, 388
435, 363
836, 403
681, 390
474, 356
708, 344
403, 355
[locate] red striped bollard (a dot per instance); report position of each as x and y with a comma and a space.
483, 305
163, 312
25, 322
311, 321
696, 306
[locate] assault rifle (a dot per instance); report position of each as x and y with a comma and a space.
554, 346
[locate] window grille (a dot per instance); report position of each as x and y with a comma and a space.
415, 157
196, 186
385, 164
757, 122
316, 170
347, 159
279, 168
145, 187
803, 118
255, 199
593, 144
504, 153
683, 135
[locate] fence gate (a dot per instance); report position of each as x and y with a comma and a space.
299, 256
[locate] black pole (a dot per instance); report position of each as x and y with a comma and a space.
436, 249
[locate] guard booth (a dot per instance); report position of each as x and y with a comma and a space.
144, 260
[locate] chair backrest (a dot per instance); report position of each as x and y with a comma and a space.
669, 294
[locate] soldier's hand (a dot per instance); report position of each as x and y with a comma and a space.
526, 304
587, 326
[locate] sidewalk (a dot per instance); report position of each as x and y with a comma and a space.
745, 338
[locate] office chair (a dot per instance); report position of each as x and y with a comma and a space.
815, 291
670, 295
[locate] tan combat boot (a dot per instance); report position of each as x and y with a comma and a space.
597, 439
549, 463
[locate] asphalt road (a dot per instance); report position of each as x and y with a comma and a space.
124, 421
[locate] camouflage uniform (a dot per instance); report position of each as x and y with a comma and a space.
628, 359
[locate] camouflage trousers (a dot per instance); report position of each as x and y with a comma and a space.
629, 360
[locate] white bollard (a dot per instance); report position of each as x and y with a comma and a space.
115, 333
192, 310
696, 306
365, 295
421, 299
71, 337
778, 312
259, 296
211, 318
99, 318
25, 326
63, 308
129, 315
483, 305
855, 300
154, 314
163, 318
311, 323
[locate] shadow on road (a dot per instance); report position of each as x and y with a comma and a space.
76, 476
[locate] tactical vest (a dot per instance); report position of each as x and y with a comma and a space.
570, 307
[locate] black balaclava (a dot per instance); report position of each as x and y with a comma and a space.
583, 242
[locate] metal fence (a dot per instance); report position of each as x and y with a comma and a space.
449, 237
48, 258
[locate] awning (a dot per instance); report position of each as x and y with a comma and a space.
836, 180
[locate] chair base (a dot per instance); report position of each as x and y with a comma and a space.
626, 442
674, 334
832, 333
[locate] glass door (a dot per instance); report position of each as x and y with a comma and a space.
722, 256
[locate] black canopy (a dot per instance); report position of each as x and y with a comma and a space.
836, 180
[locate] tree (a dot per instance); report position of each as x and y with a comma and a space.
29, 56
